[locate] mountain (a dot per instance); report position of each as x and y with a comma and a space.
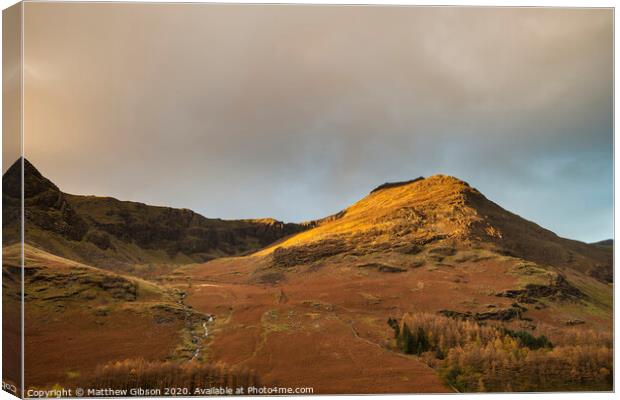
443, 213
439, 212
421, 286
110, 233
607, 242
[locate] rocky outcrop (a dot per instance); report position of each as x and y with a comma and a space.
558, 289
389, 185
74, 283
45, 206
382, 267
307, 254
498, 314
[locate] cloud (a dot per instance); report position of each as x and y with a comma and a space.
296, 111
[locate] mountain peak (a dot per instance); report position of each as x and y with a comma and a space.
33, 180
14, 171
434, 180
439, 210
441, 179
389, 185
29, 168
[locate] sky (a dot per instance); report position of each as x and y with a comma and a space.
296, 112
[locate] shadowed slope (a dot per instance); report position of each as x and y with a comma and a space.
110, 233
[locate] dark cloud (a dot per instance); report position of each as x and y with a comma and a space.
297, 111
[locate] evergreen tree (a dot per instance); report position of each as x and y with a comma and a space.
393, 323
422, 343
406, 341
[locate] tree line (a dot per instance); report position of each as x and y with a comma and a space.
475, 357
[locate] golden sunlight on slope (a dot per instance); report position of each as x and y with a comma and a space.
442, 210
402, 210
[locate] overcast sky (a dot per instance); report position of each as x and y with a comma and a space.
295, 112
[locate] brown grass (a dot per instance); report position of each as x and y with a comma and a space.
139, 373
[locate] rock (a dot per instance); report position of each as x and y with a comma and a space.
295, 255
102, 312
382, 267
271, 278
498, 314
161, 319
558, 289
389, 185
444, 251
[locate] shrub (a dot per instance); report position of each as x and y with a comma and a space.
134, 373
529, 340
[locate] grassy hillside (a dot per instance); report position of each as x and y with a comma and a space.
79, 317
491, 302
422, 286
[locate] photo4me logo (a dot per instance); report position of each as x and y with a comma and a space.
264, 390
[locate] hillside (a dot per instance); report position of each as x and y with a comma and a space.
114, 234
421, 286
607, 242
98, 315
442, 213
379, 291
